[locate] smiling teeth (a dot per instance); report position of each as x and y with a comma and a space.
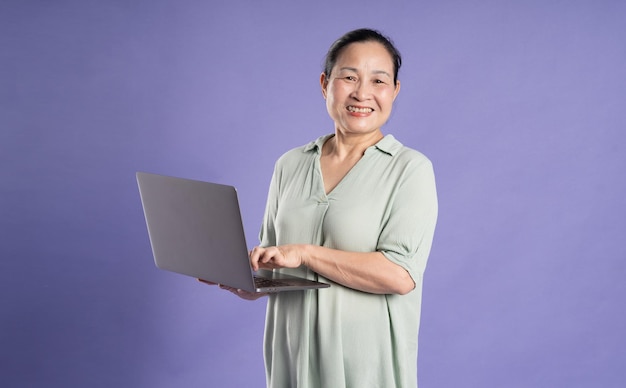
359, 110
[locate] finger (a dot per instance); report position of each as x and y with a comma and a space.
266, 257
254, 262
243, 293
270, 254
254, 258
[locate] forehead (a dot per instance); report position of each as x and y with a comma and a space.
371, 55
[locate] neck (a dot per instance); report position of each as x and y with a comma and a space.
342, 146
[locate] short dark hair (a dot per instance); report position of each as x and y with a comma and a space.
362, 35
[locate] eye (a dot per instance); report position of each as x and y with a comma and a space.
350, 78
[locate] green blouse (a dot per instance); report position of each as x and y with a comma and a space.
340, 337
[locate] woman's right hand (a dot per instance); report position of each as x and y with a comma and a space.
243, 294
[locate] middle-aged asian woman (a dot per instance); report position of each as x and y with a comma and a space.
357, 209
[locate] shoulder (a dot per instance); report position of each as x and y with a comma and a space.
403, 155
302, 153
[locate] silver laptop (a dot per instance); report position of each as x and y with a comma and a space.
195, 229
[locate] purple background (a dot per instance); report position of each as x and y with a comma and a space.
520, 106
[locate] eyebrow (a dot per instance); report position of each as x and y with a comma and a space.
353, 69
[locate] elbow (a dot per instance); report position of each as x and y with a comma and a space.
404, 283
405, 289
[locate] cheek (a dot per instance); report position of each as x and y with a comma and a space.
334, 97
329, 99
330, 106
386, 98
339, 90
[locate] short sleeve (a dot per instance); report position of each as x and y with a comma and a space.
408, 231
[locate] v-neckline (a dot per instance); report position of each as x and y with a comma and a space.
347, 174
341, 181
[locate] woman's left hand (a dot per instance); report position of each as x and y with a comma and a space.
283, 256
243, 294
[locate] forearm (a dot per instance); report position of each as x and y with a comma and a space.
368, 271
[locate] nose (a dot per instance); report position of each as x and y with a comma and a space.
361, 91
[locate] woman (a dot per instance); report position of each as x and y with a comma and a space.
356, 209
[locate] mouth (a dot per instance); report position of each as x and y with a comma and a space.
356, 109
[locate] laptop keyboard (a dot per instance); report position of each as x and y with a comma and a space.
265, 282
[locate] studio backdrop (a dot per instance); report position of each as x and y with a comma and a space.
518, 104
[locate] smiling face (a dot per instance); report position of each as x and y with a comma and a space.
360, 90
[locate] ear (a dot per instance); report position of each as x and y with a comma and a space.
395, 92
323, 84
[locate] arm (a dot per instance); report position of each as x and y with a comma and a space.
368, 272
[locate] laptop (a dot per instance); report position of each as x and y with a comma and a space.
195, 229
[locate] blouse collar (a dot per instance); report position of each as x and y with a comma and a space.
387, 144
